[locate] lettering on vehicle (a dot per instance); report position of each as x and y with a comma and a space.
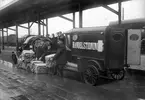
89, 45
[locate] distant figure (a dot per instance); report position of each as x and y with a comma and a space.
59, 33
46, 51
53, 36
14, 58
39, 52
47, 35
60, 57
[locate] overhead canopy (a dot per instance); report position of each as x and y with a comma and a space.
23, 11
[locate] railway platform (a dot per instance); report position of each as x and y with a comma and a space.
18, 84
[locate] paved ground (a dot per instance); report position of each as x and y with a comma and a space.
17, 84
6, 54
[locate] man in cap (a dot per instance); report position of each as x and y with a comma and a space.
60, 56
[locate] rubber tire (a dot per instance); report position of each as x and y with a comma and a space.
119, 77
91, 73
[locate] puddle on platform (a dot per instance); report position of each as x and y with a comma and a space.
48, 78
9, 64
11, 67
20, 97
132, 84
4, 95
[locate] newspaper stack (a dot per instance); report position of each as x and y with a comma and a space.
40, 68
32, 65
48, 60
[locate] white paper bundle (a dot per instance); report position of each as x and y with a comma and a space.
69, 64
48, 57
48, 61
40, 68
32, 64
27, 55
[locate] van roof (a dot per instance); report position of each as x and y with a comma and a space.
86, 29
132, 23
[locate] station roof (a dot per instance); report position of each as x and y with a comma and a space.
23, 11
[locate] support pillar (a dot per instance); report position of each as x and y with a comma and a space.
80, 17
39, 25
7, 36
43, 27
3, 47
119, 13
0, 40
28, 28
122, 13
74, 20
47, 27
17, 44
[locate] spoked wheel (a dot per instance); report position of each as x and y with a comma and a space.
91, 75
118, 74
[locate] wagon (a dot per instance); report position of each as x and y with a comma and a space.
103, 51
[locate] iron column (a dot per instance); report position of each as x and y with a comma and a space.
3, 39
80, 17
17, 44
119, 13
73, 19
46, 26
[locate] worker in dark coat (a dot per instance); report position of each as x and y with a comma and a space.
39, 52
47, 50
14, 58
60, 56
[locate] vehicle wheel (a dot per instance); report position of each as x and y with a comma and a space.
118, 75
91, 75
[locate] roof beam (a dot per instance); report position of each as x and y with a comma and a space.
23, 26
43, 23
66, 18
40, 23
11, 29
31, 24
3, 30
111, 9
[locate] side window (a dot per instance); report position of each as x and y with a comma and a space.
117, 36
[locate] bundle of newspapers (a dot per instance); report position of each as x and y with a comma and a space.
49, 62
25, 58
